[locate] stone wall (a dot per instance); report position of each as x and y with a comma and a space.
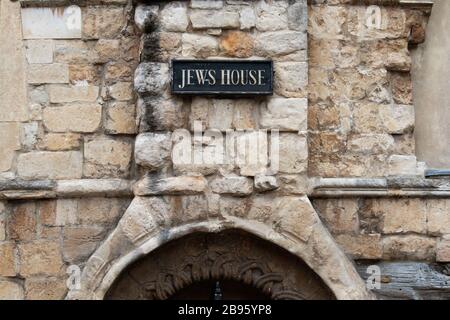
95, 115
361, 114
79, 116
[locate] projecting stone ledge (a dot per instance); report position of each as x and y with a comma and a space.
150, 185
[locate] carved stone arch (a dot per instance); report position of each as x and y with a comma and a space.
289, 222
228, 255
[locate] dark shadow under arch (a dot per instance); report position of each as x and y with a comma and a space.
232, 255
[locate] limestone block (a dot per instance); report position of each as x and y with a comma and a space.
402, 165
8, 261
339, 215
206, 19
362, 246
151, 78
60, 141
39, 51
50, 165
48, 73
120, 118
173, 185
232, 185
22, 223
174, 17
74, 52
48, 23
159, 113
10, 290
65, 213
106, 157
206, 4
146, 16
61, 94
397, 119
293, 153
285, 114
443, 251
327, 22
79, 117
297, 14
201, 46
237, 44
371, 143
100, 211
10, 142
121, 91
245, 114
401, 215
153, 150
80, 242
271, 15
250, 151
265, 183
438, 216
279, 43
103, 22
13, 91
45, 289
291, 79
247, 18
40, 258
409, 247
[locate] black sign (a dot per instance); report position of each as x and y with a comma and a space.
222, 77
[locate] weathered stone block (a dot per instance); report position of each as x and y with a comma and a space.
265, 183
402, 165
339, 215
39, 51
247, 18
409, 247
40, 258
297, 14
121, 91
238, 186
438, 216
61, 94
10, 290
271, 15
74, 52
206, 4
150, 185
146, 16
291, 79
120, 118
80, 117
279, 43
50, 165
371, 143
8, 260
80, 242
48, 73
327, 22
151, 78
397, 119
443, 251
153, 150
60, 141
101, 211
106, 157
362, 246
199, 45
293, 153
162, 114
237, 44
45, 289
205, 19
22, 223
285, 114
103, 22
10, 142
174, 17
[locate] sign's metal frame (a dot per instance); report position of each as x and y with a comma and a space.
223, 93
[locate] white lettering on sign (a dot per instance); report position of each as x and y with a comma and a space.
51, 23
227, 77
